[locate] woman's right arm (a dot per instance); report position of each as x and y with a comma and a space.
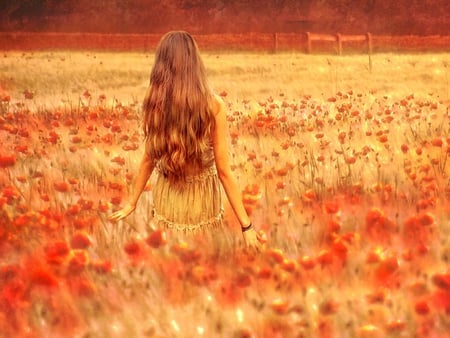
226, 176
145, 170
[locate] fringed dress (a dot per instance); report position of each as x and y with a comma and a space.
190, 208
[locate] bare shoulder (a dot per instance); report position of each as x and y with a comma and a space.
218, 105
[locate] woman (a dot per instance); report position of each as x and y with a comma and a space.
185, 132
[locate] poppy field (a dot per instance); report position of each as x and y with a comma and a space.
344, 168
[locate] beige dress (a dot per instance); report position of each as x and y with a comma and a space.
191, 208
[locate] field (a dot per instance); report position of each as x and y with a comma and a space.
343, 163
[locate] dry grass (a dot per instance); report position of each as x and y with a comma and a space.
63, 75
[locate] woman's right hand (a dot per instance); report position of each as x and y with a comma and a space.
122, 213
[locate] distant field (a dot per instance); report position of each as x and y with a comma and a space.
59, 76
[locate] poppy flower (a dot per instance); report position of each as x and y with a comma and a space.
325, 257
73, 209
275, 255
395, 326
21, 149
263, 272
61, 186
279, 306
13, 293
82, 287
56, 252
133, 248
378, 226
329, 307
102, 267
331, 207
42, 276
309, 196
422, 308
118, 160
386, 271
442, 281
370, 331
307, 262
242, 280
440, 300
103, 206
437, 142
78, 260
289, 265
80, 240
156, 239
7, 161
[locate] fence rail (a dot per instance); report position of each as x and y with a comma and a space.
266, 42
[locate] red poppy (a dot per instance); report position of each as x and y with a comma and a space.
307, 262
11, 194
61, 186
85, 204
116, 200
379, 227
279, 306
199, 275
416, 229
80, 240
309, 195
331, 207
422, 308
82, 287
289, 265
396, 326
133, 248
228, 294
275, 255
242, 280
329, 307
41, 276
21, 149
442, 281
78, 260
339, 249
56, 252
437, 142
103, 206
377, 296
156, 239
7, 161
264, 272
325, 257
73, 209
102, 267
386, 271
441, 300
13, 293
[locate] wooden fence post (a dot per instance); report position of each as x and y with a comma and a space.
308, 42
369, 43
339, 43
275, 42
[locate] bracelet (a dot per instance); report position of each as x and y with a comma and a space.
248, 227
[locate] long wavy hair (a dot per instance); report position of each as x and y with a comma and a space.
178, 118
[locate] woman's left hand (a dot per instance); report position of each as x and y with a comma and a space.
251, 240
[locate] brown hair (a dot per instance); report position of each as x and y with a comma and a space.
178, 118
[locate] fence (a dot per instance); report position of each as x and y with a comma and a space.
263, 42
